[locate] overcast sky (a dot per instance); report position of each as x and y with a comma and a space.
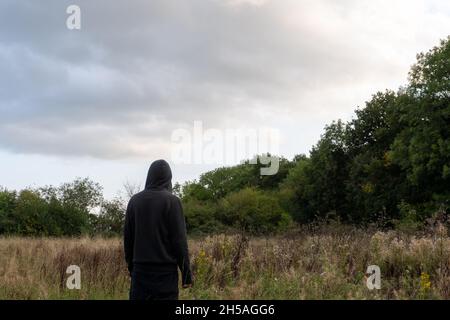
103, 101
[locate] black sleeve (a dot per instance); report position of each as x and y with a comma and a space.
128, 237
177, 227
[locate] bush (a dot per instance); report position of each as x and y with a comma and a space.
50, 211
253, 211
7, 205
111, 218
201, 217
409, 221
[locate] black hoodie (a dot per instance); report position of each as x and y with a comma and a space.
155, 230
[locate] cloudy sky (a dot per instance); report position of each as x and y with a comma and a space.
103, 101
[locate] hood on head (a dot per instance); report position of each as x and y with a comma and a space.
159, 176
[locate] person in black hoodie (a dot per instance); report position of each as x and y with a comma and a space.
155, 241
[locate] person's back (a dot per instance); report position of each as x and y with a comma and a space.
155, 238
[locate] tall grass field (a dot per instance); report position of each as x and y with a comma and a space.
325, 263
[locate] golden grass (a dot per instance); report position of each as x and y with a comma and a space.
302, 265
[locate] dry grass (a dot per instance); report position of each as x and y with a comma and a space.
327, 264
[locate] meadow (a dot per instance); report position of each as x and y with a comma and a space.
325, 262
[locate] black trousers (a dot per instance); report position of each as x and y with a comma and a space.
151, 285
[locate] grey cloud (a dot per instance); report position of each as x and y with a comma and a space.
139, 69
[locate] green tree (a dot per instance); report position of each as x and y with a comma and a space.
253, 211
422, 148
201, 216
74, 203
318, 183
8, 202
375, 185
111, 218
30, 214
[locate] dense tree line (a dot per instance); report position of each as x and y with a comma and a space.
67, 210
390, 164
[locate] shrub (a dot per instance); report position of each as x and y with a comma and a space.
253, 211
201, 217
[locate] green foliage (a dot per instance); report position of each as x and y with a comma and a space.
83, 194
50, 211
396, 149
318, 182
409, 221
30, 214
201, 217
216, 184
253, 211
110, 220
375, 185
7, 205
422, 147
